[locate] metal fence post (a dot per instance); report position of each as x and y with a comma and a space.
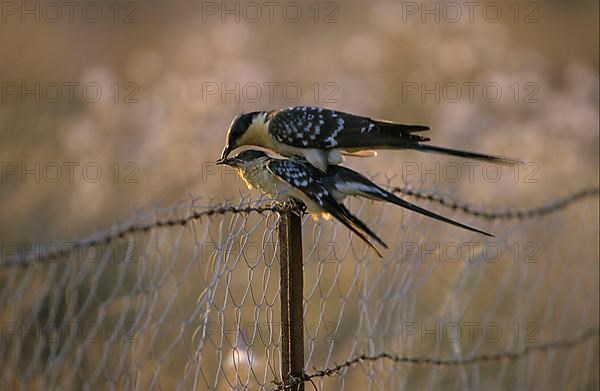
292, 282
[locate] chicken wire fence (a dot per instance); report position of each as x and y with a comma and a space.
189, 298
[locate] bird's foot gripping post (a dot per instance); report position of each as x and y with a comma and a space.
292, 282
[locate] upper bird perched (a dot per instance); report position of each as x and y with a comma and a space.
321, 135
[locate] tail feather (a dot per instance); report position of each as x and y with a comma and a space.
384, 195
464, 154
351, 183
358, 223
401, 128
402, 132
343, 215
392, 135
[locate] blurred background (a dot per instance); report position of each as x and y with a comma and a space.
109, 111
156, 85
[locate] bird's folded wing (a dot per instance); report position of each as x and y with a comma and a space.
315, 127
306, 178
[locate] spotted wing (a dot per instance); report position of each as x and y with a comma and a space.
315, 127
309, 181
302, 176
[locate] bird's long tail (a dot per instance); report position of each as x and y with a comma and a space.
398, 136
377, 193
393, 135
464, 154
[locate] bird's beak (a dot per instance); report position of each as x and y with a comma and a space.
227, 162
226, 151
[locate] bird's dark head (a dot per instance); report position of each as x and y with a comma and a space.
237, 134
243, 158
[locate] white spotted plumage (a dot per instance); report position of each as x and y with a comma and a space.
321, 136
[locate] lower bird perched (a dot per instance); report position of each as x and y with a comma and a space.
297, 180
322, 193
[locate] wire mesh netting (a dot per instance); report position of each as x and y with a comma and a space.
188, 298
